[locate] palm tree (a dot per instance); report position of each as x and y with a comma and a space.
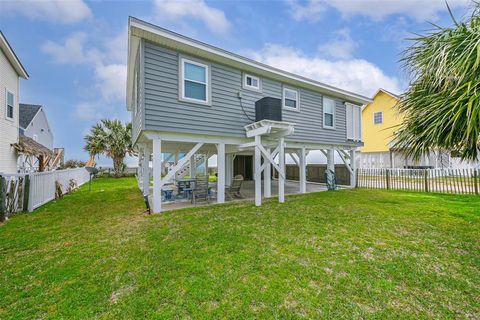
111, 138
442, 105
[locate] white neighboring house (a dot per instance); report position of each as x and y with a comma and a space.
11, 70
34, 124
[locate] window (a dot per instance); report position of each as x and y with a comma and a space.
9, 105
195, 81
251, 82
290, 99
354, 122
328, 113
378, 117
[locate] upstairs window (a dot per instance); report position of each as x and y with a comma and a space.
290, 99
251, 82
328, 113
195, 81
9, 105
378, 117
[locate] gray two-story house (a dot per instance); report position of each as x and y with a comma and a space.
187, 98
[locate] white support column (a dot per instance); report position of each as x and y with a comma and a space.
267, 177
193, 168
146, 170
331, 159
176, 161
258, 172
207, 156
303, 170
353, 165
157, 175
220, 172
228, 169
281, 175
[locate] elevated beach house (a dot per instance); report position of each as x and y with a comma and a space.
188, 98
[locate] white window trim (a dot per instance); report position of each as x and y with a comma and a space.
381, 112
333, 114
6, 105
182, 79
297, 100
248, 87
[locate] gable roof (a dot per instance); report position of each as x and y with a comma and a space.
12, 57
393, 95
139, 29
27, 113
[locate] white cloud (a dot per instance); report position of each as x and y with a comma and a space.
215, 19
355, 75
341, 47
311, 11
71, 50
107, 63
374, 9
58, 11
111, 81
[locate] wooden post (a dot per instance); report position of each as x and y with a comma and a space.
267, 177
258, 173
157, 175
221, 172
26, 192
475, 180
3, 200
281, 175
387, 178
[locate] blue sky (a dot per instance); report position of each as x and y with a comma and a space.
75, 50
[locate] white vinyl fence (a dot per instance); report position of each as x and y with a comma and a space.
42, 184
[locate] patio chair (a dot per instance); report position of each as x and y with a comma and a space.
234, 189
200, 190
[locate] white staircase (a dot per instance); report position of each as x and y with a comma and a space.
185, 171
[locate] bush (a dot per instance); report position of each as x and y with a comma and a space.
72, 163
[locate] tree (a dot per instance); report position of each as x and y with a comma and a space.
442, 105
72, 163
110, 138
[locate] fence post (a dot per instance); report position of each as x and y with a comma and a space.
475, 180
26, 192
356, 177
387, 178
30, 193
3, 200
425, 176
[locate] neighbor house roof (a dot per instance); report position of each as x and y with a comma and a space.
27, 113
29, 146
12, 57
396, 96
139, 29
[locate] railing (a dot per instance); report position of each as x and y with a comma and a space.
42, 184
454, 181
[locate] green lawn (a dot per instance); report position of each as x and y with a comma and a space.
342, 254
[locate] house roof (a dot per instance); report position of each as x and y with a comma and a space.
27, 113
29, 146
12, 57
139, 29
393, 95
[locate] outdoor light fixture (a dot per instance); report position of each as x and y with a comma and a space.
92, 171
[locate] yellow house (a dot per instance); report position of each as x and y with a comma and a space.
380, 120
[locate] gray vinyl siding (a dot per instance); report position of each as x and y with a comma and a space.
164, 111
137, 119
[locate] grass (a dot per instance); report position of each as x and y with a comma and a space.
368, 254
